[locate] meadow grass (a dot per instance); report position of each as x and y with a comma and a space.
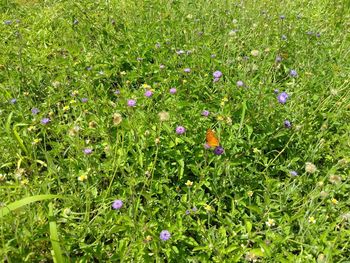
93, 94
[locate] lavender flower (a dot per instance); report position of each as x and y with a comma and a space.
117, 204
187, 212
217, 74
131, 103
180, 130
87, 151
187, 70
194, 209
275, 91
7, 22
240, 83
45, 121
278, 59
165, 235
206, 146
293, 173
148, 93
35, 111
293, 73
172, 90
205, 113
117, 92
282, 17
219, 150
84, 100
282, 97
287, 124
284, 37
13, 101
216, 79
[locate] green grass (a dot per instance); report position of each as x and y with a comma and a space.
243, 205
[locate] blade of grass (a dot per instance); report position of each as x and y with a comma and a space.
55, 242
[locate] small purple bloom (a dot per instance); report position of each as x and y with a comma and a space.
216, 79
217, 74
318, 35
284, 37
282, 17
282, 97
131, 103
218, 150
278, 59
13, 101
275, 91
84, 100
187, 70
45, 121
117, 92
172, 90
187, 212
287, 124
293, 73
205, 113
180, 130
35, 111
7, 22
117, 204
165, 235
157, 45
87, 151
293, 173
148, 93
194, 209
240, 83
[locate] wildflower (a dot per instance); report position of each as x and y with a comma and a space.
117, 118
334, 201
293, 73
282, 17
206, 146
157, 140
250, 193
36, 141
293, 173
35, 111
205, 113
275, 91
216, 79
312, 220
284, 37
335, 179
189, 183
163, 116
157, 45
87, 151
287, 124
84, 100
187, 212
187, 70
220, 118
228, 120
131, 103
148, 238
208, 208
148, 93
278, 59
323, 194
218, 150
255, 53
239, 83
24, 181
92, 124
180, 130
164, 235
45, 121
13, 101
139, 59
310, 168
194, 209
161, 66
7, 22
251, 257
117, 92
66, 108
217, 74
75, 93
270, 222
82, 178
74, 131
117, 204
282, 97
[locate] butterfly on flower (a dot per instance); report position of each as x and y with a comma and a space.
213, 141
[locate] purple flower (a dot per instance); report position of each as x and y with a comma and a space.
282, 97
278, 59
165, 235
217, 74
45, 121
275, 91
84, 100
218, 150
282, 17
87, 151
293, 73
287, 124
187, 212
131, 103
13, 101
172, 90
148, 94
157, 45
194, 209
240, 83
205, 113
117, 204
187, 70
318, 35
180, 130
293, 173
7, 22
117, 92
216, 79
35, 111
284, 37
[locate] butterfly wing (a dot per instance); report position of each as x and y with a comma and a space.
211, 139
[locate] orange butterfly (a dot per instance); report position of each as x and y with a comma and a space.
211, 139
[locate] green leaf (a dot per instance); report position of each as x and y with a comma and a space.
57, 252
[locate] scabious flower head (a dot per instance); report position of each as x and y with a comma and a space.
117, 118
131, 103
282, 97
278, 59
180, 130
205, 113
187, 70
87, 151
148, 93
7, 22
217, 74
282, 17
293, 173
13, 101
216, 79
239, 83
287, 124
335, 179
45, 121
293, 73
310, 167
219, 150
172, 90
84, 100
117, 204
165, 235
163, 116
35, 111
187, 212
117, 92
